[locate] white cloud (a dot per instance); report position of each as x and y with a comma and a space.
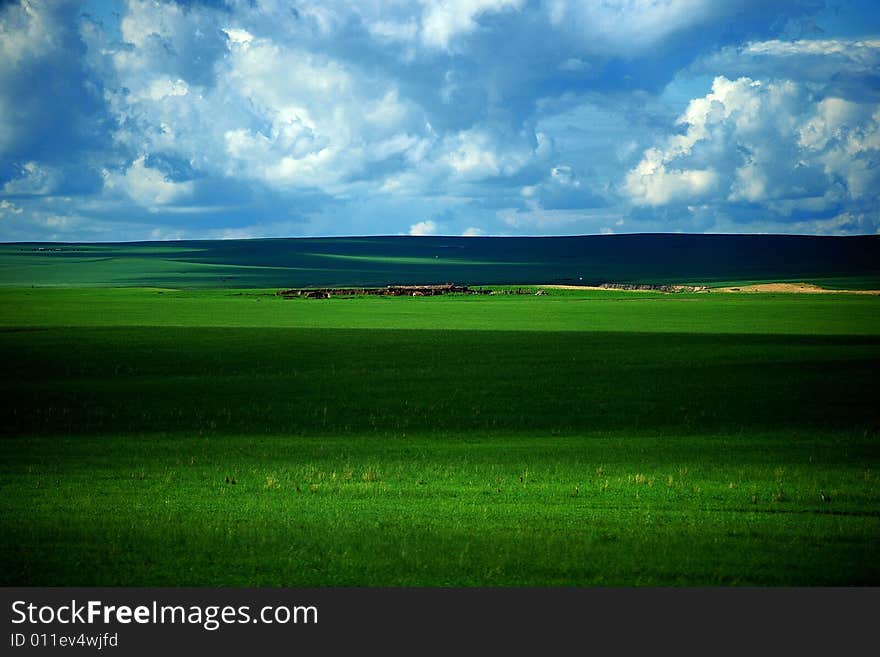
473, 231
146, 186
164, 87
147, 18
865, 51
473, 158
405, 31
34, 179
750, 184
475, 155
61, 222
238, 37
423, 228
281, 113
321, 123
277, 113
763, 142
444, 20
563, 175
26, 32
630, 26
7, 208
832, 119
611, 26
839, 64
574, 65
383, 110
159, 39
652, 183
158, 89
845, 138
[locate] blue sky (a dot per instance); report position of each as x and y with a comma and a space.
268, 118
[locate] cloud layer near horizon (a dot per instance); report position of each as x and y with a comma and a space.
162, 120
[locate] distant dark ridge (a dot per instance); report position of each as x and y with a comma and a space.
651, 259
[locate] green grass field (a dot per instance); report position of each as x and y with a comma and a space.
575, 439
834, 262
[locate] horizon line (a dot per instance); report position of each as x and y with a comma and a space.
462, 237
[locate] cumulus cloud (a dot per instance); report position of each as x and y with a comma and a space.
238, 36
336, 116
445, 19
435, 25
291, 119
33, 179
651, 183
26, 32
623, 25
763, 142
7, 208
315, 122
161, 88
424, 228
474, 154
630, 28
147, 186
167, 38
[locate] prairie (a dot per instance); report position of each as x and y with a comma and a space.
226, 437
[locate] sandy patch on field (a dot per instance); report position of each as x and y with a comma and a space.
786, 288
791, 288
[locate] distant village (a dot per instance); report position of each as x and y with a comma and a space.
452, 288
387, 291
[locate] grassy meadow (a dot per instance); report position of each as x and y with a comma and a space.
833, 262
171, 436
